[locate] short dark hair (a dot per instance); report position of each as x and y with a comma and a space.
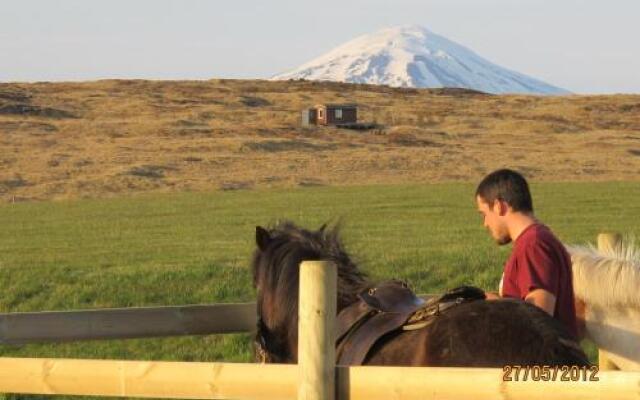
506, 185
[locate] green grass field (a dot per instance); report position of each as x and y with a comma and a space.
195, 248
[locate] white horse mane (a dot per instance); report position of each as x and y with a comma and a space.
608, 277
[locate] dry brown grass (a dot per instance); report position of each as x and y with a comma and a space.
68, 140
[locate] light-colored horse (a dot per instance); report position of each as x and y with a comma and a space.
606, 282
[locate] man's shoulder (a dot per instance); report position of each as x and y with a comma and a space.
541, 244
538, 234
539, 239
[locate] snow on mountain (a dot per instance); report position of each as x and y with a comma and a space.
412, 56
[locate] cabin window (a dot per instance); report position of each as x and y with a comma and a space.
339, 113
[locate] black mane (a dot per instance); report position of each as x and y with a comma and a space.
276, 261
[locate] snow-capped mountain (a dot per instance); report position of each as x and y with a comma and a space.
412, 56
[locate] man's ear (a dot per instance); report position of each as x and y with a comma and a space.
262, 238
502, 207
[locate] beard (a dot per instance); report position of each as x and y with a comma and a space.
501, 240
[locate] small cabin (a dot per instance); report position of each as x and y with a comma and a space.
330, 114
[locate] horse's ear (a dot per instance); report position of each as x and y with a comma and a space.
322, 228
262, 238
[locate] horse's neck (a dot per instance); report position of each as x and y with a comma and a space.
348, 293
345, 302
617, 331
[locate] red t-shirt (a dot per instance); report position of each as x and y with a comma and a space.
539, 261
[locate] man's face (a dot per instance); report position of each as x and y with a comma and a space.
493, 220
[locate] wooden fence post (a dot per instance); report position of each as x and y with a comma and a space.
316, 331
607, 242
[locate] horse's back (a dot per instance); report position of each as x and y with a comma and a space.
483, 334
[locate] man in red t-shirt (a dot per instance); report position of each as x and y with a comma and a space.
538, 270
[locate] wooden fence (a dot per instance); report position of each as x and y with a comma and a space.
126, 323
316, 376
194, 380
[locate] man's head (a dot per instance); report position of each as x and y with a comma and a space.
501, 194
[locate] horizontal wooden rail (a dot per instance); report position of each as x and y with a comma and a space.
121, 323
193, 380
128, 323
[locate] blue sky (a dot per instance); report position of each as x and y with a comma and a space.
587, 46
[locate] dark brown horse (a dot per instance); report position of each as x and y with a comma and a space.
479, 333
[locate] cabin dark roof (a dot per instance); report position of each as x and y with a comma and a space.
334, 105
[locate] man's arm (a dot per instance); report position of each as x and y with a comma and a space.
542, 299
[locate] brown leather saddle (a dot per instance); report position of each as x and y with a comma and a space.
388, 307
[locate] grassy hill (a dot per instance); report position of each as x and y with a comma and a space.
116, 137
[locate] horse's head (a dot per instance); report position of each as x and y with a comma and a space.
276, 261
